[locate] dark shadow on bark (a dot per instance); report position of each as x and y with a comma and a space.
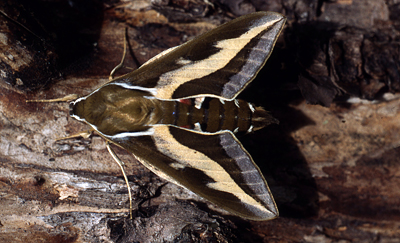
55, 34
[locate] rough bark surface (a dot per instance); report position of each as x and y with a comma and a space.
334, 170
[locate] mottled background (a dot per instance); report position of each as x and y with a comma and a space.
333, 163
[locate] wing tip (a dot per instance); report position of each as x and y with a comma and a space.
265, 215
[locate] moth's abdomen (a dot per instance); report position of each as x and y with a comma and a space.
236, 116
216, 115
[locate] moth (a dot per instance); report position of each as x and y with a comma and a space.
177, 114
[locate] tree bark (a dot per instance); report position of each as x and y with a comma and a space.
334, 170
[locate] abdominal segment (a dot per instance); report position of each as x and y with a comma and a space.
214, 115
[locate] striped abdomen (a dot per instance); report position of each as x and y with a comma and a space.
215, 115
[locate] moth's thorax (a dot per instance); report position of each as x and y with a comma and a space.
113, 109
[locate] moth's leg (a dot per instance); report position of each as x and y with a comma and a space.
66, 98
121, 64
121, 165
83, 134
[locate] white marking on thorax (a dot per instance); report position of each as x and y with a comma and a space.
148, 132
152, 91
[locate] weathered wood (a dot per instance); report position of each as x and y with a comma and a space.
334, 171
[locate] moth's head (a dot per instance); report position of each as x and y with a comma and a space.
77, 108
82, 110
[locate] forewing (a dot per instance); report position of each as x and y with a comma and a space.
214, 166
219, 63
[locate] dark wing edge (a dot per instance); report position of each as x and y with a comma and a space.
219, 63
214, 166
